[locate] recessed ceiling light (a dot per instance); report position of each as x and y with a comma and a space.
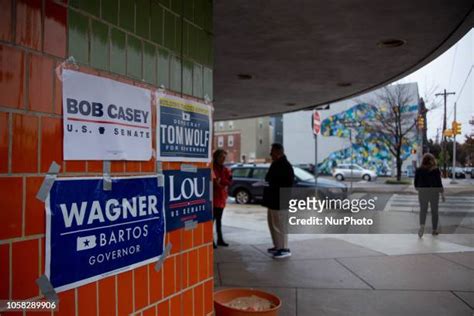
391, 43
244, 76
344, 84
290, 104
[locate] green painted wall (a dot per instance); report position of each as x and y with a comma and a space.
166, 42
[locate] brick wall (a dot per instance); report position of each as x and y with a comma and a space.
144, 42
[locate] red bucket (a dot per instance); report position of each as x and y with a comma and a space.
224, 296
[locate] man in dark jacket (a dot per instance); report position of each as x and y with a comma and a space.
280, 179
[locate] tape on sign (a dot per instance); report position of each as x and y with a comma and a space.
188, 168
70, 62
47, 288
159, 167
107, 184
48, 181
165, 254
190, 225
161, 180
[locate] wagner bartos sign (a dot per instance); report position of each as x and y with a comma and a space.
184, 129
92, 233
105, 119
188, 197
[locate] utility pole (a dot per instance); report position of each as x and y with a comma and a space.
453, 181
445, 94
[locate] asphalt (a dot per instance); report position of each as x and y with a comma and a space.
349, 274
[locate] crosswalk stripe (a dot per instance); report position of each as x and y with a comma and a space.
409, 203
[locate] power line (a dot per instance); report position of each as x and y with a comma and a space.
452, 65
465, 81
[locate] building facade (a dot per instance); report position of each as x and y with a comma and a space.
338, 143
255, 137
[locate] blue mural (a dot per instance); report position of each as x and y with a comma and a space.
367, 150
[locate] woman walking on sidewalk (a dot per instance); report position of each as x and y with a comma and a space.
429, 186
222, 178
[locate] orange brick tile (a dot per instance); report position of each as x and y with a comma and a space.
193, 267
34, 208
170, 165
208, 231
164, 308
4, 271
175, 240
210, 258
208, 297
187, 239
25, 261
176, 304
188, 306
169, 284
95, 166
185, 269
55, 23
107, 296
148, 166
25, 143
203, 263
198, 235
67, 304
40, 86
28, 23
198, 299
11, 191
11, 77
5, 20
4, 119
125, 286
75, 166
132, 166
156, 283
179, 272
58, 93
117, 166
51, 142
150, 312
141, 287
87, 299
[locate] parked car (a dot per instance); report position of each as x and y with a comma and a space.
345, 171
306, 166
249, 181
458, 173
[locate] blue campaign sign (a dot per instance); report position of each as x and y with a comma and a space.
92, 233
188, 197
184, 130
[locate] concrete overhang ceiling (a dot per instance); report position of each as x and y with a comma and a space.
280, 56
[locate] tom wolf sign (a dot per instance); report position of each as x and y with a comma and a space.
92, 233
184, 129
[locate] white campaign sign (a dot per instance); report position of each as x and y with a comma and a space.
105, 119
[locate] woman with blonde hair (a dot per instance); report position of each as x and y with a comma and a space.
429, 186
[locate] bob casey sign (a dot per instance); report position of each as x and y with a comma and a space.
105, 119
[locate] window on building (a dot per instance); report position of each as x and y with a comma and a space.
231, 124
221, 125
260, 123
260, 141
220, 141
230, 140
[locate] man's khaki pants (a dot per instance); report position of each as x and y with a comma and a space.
277, 225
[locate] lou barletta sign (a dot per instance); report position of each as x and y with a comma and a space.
105, 119
91, 233
184, 129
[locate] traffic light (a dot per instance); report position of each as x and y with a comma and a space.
421, 122
456, 127
448, 133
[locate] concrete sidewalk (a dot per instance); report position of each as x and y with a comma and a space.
351, 274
